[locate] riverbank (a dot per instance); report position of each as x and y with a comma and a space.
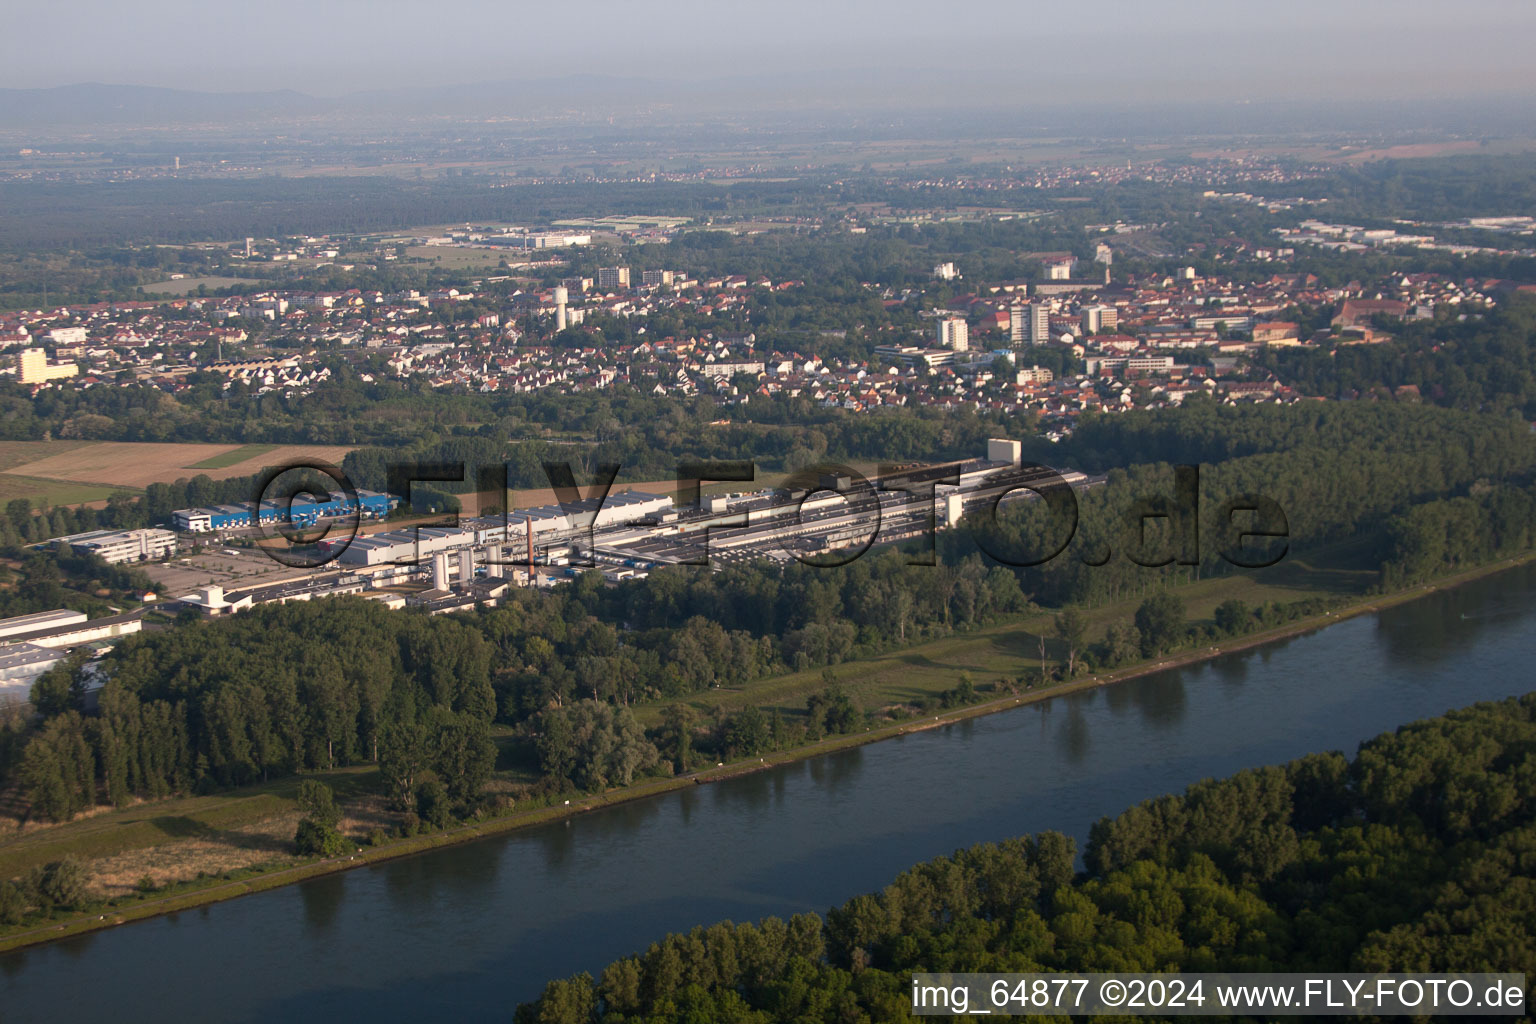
217, 889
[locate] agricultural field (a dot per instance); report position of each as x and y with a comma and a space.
134, 465
45, 493
234, 457
452, 257
188, 285
17, 453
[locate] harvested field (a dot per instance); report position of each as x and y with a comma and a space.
136, 465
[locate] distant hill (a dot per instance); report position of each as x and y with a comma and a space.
595, 95
94, 103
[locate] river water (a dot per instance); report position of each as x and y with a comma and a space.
475, 929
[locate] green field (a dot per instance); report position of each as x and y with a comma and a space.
1011, 650
454, 258
230, 458
168, 821
188, 285
46, 493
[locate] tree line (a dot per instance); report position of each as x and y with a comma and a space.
1314, 475
283, 690
24, 523
1478, 359
43, 581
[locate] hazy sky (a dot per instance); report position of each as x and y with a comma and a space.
1155, 47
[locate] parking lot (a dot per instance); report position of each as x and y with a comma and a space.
227, 567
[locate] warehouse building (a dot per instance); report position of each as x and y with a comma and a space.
18, 624
20, 665
213, 600
397, 547
369, 505
79, 633
211, 518
540, 525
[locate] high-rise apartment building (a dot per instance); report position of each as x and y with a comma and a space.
954, 334
1029, 323
1098, 319
32, 367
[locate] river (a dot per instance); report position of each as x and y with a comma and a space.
474, 929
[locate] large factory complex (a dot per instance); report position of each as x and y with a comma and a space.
823, 517
832, 515
625, 535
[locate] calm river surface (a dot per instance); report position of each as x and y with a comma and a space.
475, 929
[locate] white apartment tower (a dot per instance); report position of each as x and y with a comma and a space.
1029, 323
954, 334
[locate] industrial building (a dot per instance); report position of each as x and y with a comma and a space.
530, 527
77, 634
550, 240
213, 600
805, 523
369, 505
18, 624
118, 546
32, 644
446, 569
20, 665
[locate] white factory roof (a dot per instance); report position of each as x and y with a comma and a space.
40, 620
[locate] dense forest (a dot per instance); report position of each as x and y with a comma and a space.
1316, 473
282, 690
407, 418
1483, 362
1416, 855
1438, 188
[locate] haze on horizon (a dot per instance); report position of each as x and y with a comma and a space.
1193, 50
